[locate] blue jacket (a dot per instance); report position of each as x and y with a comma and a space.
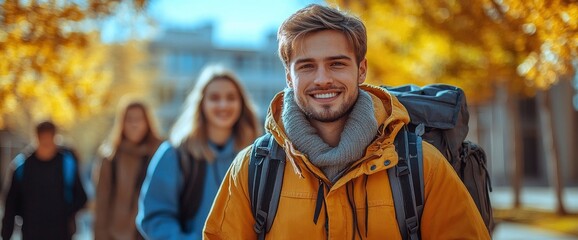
158, 214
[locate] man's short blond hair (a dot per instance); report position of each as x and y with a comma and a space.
314, 18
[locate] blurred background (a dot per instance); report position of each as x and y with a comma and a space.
72, 61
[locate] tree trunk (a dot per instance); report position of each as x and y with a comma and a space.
2, 161
473, 125
479, 131
550, 148
516, 151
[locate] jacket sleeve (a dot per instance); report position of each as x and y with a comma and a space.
102, 199
230, 216
11, 207
449, 211
158, 210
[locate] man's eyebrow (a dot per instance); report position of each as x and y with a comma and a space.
337, 57
303, 60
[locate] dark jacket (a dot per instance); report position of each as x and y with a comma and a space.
46, 194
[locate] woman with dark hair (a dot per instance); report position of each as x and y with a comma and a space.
126, 154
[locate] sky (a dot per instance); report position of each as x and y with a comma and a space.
237, 22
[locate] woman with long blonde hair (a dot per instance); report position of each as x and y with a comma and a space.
126, 154
217, 122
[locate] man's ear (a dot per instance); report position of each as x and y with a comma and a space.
362, 71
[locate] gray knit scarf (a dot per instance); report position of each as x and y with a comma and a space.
360, 129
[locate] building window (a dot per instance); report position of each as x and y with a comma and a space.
181, 63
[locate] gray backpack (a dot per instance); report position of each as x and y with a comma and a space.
439, 115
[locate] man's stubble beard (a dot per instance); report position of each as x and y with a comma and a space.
325, 115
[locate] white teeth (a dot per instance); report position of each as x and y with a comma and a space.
325, 95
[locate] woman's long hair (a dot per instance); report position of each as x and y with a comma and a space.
190, 129
110, 146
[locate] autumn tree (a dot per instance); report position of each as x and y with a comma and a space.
131, 73
526, 45
55, 65
551, 36
53, 61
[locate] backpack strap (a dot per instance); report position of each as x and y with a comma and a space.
407, 188
193, 172
416, 165
18, 164
266, 168
69, 172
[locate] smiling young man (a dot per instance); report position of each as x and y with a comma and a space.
338, 136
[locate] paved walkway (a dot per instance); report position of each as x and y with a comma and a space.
542, 199
516, 231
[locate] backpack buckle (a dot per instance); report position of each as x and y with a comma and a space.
262, 152
402, 170
412, 225
420, 129
260, 218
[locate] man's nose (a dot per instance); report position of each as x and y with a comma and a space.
323, 77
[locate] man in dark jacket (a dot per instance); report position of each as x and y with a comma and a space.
45, 190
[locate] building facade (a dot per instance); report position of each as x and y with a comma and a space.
180, 55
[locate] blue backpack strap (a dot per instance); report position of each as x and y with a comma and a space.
18, 164
69, 173
266, 168
407, 188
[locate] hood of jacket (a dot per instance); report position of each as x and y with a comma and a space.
390, 114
